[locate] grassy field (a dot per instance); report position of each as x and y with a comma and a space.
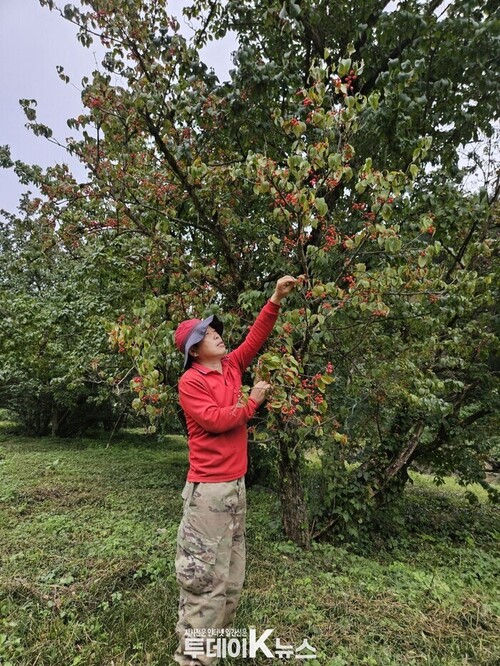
87, 543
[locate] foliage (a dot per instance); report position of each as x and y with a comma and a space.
56, 364
332, 152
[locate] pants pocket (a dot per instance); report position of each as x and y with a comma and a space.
195, 560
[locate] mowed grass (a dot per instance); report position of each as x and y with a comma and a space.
87, 544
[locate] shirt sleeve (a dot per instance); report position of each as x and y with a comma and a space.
257, 335
198, 403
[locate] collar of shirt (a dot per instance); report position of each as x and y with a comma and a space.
205, 370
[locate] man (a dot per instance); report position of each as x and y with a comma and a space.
210, 561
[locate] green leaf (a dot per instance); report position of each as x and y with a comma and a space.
321, 206
334, 160
386, 212
422, 260
345, 66
373, 100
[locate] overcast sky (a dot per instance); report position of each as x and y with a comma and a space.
33, 41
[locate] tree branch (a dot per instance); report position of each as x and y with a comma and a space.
210, 222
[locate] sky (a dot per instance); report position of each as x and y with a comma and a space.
33, 41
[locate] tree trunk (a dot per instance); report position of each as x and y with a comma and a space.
392, 480
293, 505
55, 421
35, 422
393, 488
403, 457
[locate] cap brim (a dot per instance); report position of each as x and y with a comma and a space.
198, 333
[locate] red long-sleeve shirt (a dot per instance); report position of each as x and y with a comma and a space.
216, 421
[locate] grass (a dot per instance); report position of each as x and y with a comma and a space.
87, 544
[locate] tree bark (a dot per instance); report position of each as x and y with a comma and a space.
293, 505
395, 475
403, 457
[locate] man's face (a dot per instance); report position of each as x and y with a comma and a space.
212, 345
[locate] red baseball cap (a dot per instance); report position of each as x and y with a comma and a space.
191, 331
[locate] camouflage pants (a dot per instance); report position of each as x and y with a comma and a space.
210, 562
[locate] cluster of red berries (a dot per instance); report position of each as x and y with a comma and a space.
348, 80
285, 200
288, 410
138, 387
289, 245
331, 238
311, 382
94, 102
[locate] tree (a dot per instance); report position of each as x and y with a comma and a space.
332, 153
56, 302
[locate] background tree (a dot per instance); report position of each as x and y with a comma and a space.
57, 299
332, 152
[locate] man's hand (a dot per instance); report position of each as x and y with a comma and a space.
259, 392
283, 287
